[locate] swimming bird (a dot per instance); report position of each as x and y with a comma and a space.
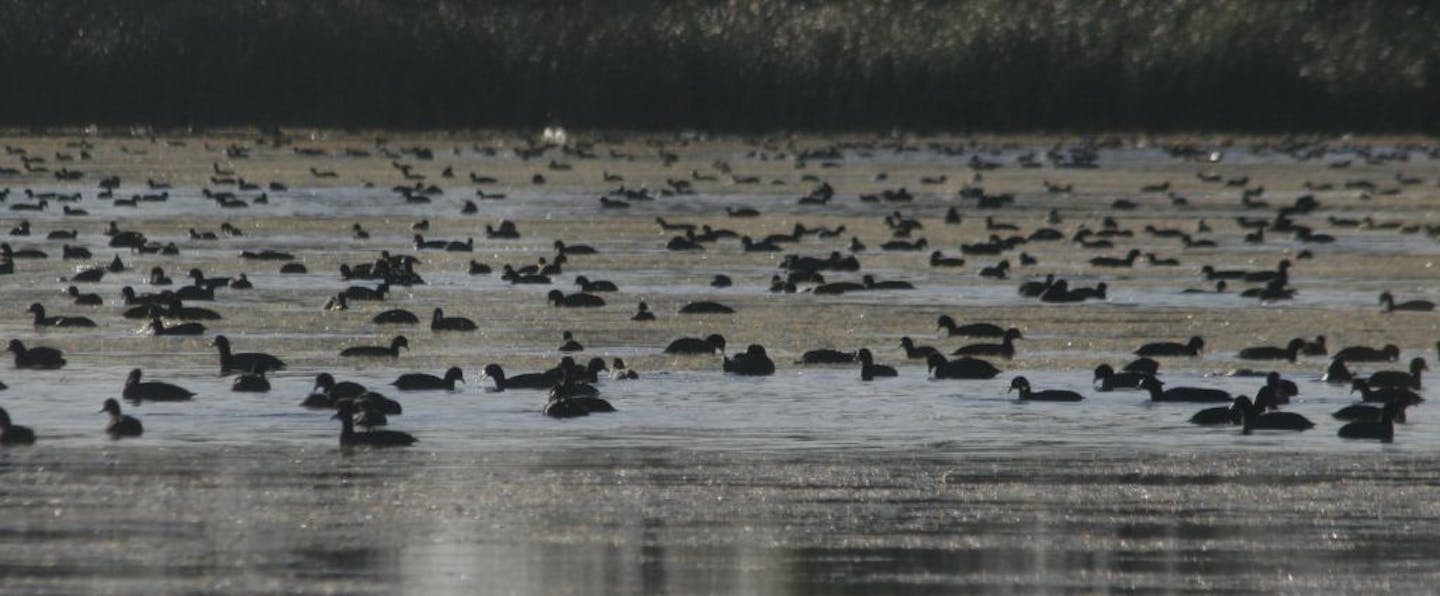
244, 361
960, 368
327, 392
579, 299
749, 245
1142, 365
158, 277
392, 351
14, 434
349, 437
40, 320
1254, 416
524, 275
85, 275
11, 254
1382, 429
1110, 380
1036, 289
1126, 261
905, 245
396, 316
505, 231
1227, 414
1289, 352
915, 352
573, 249
195, 292
372, 409
752, 362
642, 313
705, 307
440, 322
1337, 372
827, 356
598, 285
1366, 412
83, 299
971, 329
1397, 378
158, 327
425, 382
686, 242
570, 344
839, 287
1166, 348
1220, 288
871, 284
1186, 394
523, 381
174, 308
208, 283
250, 382
1283, 388
39, 358
1005, 349
565, 402
362, 293
1388, 301
938, 259
559, 406
692, 345
618, 371
120, 425
577, 377
137, 391
869, 370
1384, 394
1315, 347
1389, 353
1022, 385
997, 271
336, 303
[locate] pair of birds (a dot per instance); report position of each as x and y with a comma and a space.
752, 362
119, 426
869, 370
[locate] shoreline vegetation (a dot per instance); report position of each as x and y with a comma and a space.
850, 65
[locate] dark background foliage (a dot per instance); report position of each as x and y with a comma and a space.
1000, 65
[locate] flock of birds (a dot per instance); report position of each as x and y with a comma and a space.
572, 386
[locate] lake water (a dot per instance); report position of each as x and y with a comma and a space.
806, 481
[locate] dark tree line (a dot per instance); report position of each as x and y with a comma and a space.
726, 65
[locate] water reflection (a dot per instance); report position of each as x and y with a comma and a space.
679, 521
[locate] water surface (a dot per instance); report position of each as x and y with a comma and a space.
807, 481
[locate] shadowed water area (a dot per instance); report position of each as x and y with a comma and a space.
809, 480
